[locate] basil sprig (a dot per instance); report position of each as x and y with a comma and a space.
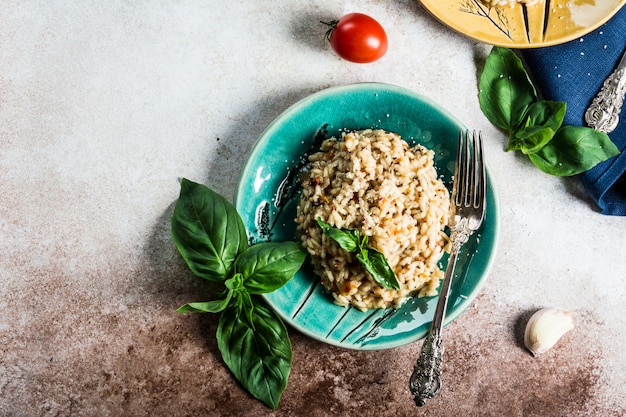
509, 100
374, 262
252, 339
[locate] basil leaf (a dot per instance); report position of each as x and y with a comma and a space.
247, 308
530, 139
348, 239
260, 360
242, 302
207, 231
207, 306
546, 113
574, 149
542, 120
235, 282
505, 90
233, 286
372, 260
268, 266
375, 263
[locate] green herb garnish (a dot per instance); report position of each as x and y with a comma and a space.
252, 339
509, 100
374, 262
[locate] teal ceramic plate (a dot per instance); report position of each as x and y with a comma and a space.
267, 196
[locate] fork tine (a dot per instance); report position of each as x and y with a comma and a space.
470, 164
465, 173
476, 174
456, 181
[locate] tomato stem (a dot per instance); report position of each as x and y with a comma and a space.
331, 26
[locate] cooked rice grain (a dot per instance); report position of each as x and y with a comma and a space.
373, 181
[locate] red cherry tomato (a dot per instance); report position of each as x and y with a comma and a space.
358, 38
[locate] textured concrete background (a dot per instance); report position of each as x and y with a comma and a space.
105, 105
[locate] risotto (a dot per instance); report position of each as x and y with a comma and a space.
372, 181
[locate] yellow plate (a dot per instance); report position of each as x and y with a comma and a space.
549, 22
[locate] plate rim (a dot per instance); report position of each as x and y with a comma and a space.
451, 314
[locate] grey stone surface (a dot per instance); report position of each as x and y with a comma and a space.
105, 105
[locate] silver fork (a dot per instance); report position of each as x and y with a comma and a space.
466, 215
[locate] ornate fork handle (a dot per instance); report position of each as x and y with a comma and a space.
425, 380
603, 113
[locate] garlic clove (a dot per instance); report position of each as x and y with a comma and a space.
545, 328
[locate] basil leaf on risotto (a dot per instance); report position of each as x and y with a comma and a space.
348, 239
374, 262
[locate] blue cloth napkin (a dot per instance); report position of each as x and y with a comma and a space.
574, 72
